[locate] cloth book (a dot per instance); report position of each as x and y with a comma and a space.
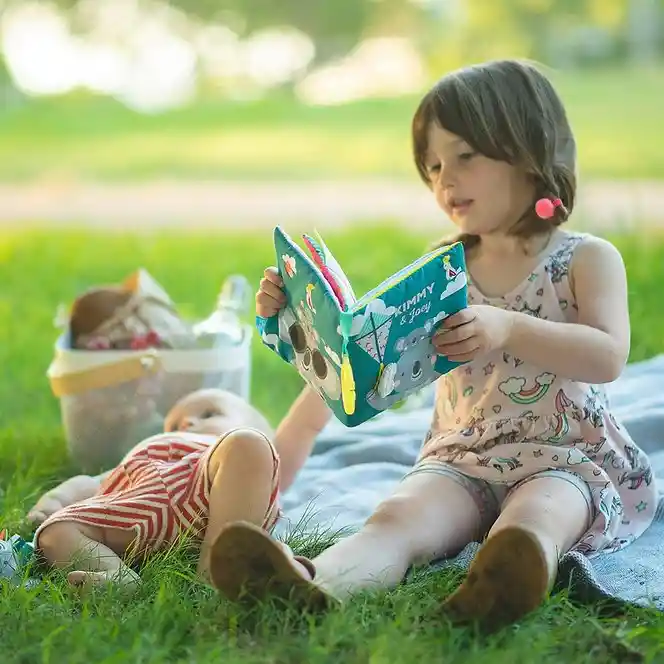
363, 355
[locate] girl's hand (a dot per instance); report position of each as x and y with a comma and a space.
270, 299
475, 330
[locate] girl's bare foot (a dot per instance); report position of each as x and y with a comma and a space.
508, 578
246, 563
126, 578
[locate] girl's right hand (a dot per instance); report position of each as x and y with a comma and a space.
270, 299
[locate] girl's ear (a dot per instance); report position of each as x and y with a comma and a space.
536, 180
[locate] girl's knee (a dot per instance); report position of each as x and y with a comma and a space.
545, 495
394, 513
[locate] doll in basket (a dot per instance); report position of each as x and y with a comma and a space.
215, 463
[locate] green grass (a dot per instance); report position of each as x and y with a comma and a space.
177, 619
615, 113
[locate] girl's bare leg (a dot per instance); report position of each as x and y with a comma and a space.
241, 471
429, 516
516, 566
66, 544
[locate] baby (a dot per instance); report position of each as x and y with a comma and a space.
214, 464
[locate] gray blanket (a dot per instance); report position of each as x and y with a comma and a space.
351, 470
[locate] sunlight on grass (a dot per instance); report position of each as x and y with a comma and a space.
250, 153
177, 618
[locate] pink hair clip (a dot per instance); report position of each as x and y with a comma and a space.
545, 207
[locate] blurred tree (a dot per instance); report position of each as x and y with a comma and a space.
9, 94
335, 26
643, 30
539, 29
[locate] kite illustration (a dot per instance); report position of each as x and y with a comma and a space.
374, 331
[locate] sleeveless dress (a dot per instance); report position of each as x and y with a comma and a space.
499, 420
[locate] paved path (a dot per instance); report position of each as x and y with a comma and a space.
238, 205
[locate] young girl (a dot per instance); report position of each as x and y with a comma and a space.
523, 452
213, 465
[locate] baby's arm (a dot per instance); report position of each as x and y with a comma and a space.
297, 433
595, 349
72, 490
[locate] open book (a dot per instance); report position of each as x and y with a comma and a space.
363, 355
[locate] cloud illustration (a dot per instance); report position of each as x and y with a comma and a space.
454, 285
439, 317
271, 340
512, 386
545, 378
575, 457
377, 307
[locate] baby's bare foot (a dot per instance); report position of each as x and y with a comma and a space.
125, 578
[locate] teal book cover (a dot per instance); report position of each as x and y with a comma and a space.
363, 354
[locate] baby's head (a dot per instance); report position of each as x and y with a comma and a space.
492, 139
213, 411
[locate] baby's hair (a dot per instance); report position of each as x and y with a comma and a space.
509, 111
258, 421
251, 416
228, 403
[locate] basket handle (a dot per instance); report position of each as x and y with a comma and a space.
104, 375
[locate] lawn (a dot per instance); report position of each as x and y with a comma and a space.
615, 113
177, 619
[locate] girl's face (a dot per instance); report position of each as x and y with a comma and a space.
480, 195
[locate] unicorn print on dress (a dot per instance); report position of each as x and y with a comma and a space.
564, 409
636, 478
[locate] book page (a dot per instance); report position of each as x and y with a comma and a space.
337, 272
391, 350
399, 276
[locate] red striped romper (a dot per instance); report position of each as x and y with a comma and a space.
160, 490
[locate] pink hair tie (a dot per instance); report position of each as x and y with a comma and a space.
546, 207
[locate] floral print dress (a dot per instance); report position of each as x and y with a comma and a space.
502, 420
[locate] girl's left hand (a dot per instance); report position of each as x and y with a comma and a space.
475, 330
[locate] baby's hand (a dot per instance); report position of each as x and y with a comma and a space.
46, 506
270, 299
70, 491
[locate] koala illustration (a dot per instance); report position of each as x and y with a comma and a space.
298, 343
311, 363
413, 369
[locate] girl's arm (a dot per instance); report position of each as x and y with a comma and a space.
296, 434
595, 349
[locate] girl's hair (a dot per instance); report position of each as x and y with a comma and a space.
509, 111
